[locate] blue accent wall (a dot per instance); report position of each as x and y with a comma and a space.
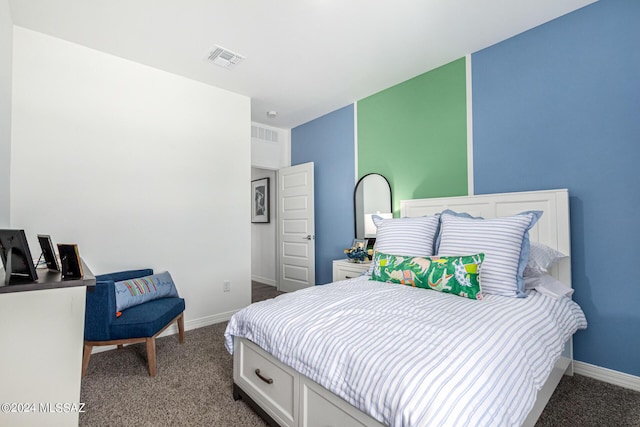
328, 142
559, 107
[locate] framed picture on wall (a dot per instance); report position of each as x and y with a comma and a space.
260, 200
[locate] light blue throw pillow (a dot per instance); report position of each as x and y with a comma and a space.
137, 291
525, 250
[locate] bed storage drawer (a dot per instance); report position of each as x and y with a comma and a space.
320, 408
275, 388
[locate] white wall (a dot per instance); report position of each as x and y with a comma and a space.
263, 236
6, 41
140, 167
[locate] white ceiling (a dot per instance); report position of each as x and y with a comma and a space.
304, 58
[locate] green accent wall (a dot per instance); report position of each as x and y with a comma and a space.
415, 134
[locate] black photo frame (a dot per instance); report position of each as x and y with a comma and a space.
16, 257
260, 200
71, 265
49, 254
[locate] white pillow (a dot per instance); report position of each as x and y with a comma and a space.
548, 285
541, 258
500, 239
406, 236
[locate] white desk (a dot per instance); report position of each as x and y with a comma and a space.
41, 341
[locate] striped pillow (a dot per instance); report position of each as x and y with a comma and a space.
502, 240
454, 213
406, 236
541, 258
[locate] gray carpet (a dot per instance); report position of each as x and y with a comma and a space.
260, 291
194, 382
585, 402
192, 387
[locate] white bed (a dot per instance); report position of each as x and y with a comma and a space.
293, 397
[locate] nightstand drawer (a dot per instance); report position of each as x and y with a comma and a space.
344, 269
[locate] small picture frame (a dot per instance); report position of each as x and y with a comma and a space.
70, 261
48, 252
360, 243
260, 200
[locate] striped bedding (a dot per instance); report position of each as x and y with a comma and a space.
416, 357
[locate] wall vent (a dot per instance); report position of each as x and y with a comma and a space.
264, 134
224, 57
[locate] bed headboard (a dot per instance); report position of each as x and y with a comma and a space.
552, 229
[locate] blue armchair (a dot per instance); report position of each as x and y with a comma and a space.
142, 323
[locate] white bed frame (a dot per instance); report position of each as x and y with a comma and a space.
552, 229
304, 403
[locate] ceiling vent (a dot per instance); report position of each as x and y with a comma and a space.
224, 58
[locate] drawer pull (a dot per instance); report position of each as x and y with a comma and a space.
263, 378
349, 277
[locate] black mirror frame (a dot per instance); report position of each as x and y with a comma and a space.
355, 214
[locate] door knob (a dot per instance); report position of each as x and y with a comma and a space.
307, 237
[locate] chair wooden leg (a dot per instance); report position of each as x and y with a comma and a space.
85, 358
151, 356
181, 328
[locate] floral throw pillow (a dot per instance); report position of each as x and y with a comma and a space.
458, 275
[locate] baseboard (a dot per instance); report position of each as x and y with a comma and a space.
188, 325
270, 282
200, 323
607, 375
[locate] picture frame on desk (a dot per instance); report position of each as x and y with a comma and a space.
49, 254
16, 258
71, 265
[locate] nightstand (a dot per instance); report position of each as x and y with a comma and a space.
344, 269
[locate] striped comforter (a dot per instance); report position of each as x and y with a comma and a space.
416, 357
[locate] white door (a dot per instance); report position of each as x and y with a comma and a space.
296, 228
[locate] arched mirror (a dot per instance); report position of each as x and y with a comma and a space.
372, 196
